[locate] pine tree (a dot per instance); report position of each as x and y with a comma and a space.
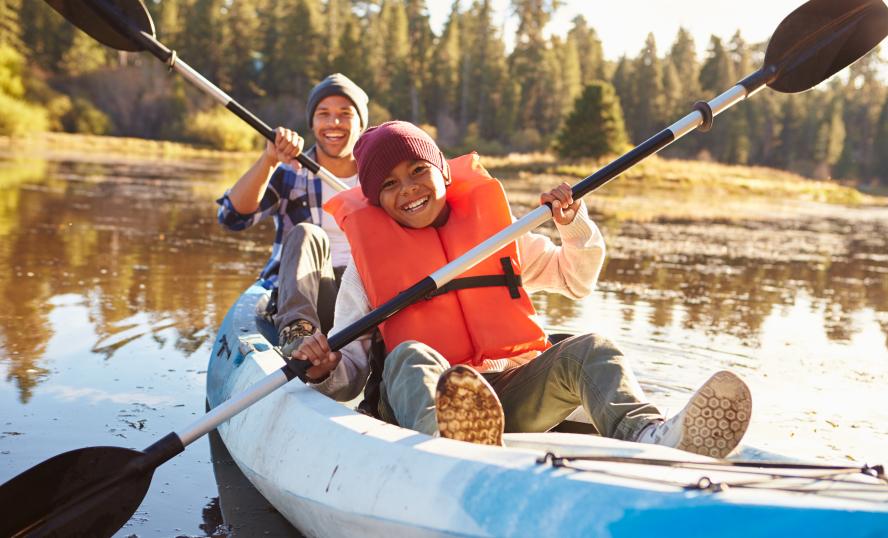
171, 18
293, 36
421, 40
792, 134
649, 112
763, 117
241, 50
683, 56
203, 44
881, 146
336, 18
46, 35
443, 94
681, 86
737, 127
11, 69
717, 71
83, 56
528, 62
395, 75
571, 77
10, 30
675, 98
623, 82
350, 60
716, 76
830, 138
595, 126
864, 96
554, 88
493, 105
589, 50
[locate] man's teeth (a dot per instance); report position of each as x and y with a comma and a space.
415, 204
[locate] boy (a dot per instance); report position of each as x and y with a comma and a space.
470, 363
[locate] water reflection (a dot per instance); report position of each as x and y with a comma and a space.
122, 242
737, 285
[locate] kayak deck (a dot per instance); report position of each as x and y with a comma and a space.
332, 471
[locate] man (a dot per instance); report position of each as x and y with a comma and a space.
309, 253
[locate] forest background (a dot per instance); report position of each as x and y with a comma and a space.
463, 84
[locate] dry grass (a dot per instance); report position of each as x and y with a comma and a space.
61, 144
678, 189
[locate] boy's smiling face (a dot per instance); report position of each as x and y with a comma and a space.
414, 194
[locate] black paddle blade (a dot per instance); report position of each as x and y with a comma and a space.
86, 492
821, 38
83, 14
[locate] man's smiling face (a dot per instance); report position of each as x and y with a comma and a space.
336, 126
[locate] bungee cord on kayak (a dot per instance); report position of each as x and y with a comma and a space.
771, 475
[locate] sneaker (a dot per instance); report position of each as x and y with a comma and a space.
713, 421
467, 408
266, 306
290, 337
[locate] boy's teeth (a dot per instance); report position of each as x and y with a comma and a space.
417, 203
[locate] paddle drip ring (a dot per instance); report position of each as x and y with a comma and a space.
171, 62
706, 111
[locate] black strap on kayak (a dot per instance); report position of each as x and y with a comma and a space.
376, 356
508, 279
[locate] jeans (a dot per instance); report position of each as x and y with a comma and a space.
307, 280
586, 370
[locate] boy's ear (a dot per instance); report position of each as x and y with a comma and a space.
446, 173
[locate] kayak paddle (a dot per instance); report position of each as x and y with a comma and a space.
127, 25
93, 491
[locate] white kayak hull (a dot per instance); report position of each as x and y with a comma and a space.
333, 472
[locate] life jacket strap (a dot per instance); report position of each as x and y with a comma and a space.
509, 279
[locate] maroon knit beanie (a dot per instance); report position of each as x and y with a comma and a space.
383, 147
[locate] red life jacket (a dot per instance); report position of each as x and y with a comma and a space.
467, 325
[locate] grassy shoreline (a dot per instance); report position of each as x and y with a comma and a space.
655, 189
674, 189
60, 144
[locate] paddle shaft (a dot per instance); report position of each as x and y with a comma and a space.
113, 16
701, 116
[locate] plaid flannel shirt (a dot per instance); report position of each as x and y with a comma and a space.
292, 197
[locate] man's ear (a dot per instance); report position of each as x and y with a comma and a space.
446, 173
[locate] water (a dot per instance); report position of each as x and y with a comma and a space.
114, 276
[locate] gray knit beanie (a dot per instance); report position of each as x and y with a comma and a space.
337, 84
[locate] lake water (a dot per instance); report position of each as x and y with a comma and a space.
114, 276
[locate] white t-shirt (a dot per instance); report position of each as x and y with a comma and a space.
339, 249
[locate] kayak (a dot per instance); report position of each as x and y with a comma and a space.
331, 471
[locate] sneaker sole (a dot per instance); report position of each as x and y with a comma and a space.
717, 416
467, 408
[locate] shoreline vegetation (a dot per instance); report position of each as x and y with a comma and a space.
655, 189
55, 144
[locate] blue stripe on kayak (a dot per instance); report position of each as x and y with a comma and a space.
582, 508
